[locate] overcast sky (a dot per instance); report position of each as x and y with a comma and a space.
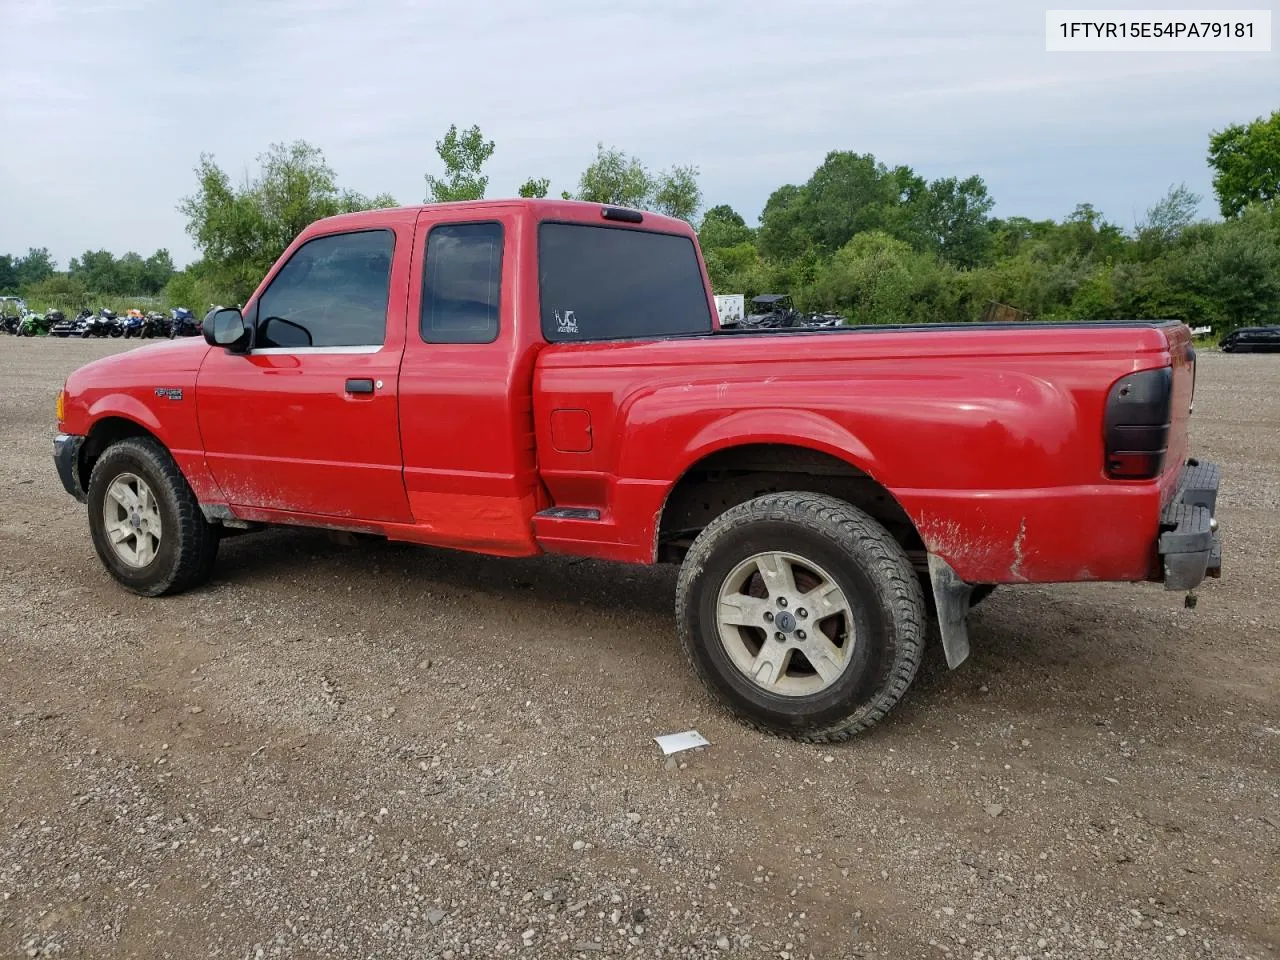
106, 105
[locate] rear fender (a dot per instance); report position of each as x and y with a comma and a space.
800, 428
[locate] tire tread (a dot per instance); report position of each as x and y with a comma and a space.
895, 580
197, 546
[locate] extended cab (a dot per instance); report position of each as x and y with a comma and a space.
518, 377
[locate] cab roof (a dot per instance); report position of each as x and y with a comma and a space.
544, 209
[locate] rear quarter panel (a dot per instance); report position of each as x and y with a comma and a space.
990, 439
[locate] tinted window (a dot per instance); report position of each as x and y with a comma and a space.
331, 293
605, 283
461, 283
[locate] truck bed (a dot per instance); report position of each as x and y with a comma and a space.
989, 436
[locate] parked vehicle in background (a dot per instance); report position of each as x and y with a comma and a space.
184, 323
155, 324
73, 327
104, 323
33, 325
730, 307
824, 490
11, 311
774, 311
1252, 340
132, 324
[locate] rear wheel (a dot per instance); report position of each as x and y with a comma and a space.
146, 524
802, 615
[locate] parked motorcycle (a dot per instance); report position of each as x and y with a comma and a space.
184, 323
155, 324
104, 323
9, 323
64, 327
132, 324
33, 325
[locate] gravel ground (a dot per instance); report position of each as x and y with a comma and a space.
384, 751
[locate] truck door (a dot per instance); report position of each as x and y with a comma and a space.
466, 412
306, 422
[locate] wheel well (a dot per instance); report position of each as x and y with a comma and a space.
102, 435
728, 477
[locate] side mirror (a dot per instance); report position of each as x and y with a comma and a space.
226, 327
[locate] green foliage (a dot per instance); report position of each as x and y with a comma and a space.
37, 265
616, 179
676, 193
875, 278
879, 244
61, 290
240, 231
620, 180
463, 155
1246, 163
100, 271
534, 187
8, 274
721, 227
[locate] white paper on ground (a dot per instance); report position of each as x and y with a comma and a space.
675, 742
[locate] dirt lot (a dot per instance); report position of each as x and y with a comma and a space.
382, 751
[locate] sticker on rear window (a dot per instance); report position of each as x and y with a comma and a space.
567, 323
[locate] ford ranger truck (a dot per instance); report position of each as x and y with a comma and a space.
518, 377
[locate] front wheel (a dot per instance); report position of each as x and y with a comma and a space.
146, 524
802, 615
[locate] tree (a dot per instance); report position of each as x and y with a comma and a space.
8, 274
463, 156
535, 187
37, 265
156, 271
619, 180
1246, 163
241, 230
616, 179
953, 220
1172, 214
876, 278
98, 271
60, 290
676, 193
722, 226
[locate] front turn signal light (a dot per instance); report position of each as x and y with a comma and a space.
61, 406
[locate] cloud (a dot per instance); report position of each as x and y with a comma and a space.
104, 134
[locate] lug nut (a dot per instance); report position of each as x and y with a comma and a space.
799, 634
780, 637
802, 613
782, 601
768, 615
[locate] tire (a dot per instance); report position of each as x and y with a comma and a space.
877, 638
188, 544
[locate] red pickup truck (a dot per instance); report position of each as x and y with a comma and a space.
518, 377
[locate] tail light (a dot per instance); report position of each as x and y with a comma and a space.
1137, 424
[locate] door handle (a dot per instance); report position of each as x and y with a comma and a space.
359, 385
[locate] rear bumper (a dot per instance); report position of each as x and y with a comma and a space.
1190, 547
66, 457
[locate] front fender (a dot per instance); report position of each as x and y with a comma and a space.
125, 407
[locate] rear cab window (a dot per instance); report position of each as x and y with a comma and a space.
613, 283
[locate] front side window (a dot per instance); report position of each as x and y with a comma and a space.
462, 283
331, 293
610, 283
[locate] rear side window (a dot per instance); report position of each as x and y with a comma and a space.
607, 283
462, 283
